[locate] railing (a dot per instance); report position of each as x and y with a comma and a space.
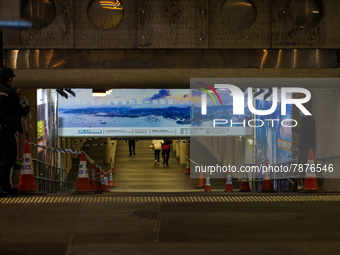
49, 179
291, 176
257, 178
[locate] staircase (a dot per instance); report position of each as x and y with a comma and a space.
137, 173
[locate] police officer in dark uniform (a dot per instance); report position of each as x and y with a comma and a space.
11, 112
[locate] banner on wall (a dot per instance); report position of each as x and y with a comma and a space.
126, 112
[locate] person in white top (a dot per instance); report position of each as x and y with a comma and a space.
157, 146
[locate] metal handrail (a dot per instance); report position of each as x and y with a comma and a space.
50, 179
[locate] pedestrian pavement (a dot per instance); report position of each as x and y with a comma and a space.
236, 223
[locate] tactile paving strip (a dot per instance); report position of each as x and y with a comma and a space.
166, 199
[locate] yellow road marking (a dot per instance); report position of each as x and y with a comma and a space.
170, 198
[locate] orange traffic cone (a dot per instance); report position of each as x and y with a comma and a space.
267, 185
106, 182
310, 177
102, 180
112, 167
111, 184
229, 183
207, 187
27, 179
187, 169
93, 182
83, 184
98, 177
201, 180
245, 183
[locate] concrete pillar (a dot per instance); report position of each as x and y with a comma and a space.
188, 148
114, 149
249, 151
174, 145
185, 148
229, 151
107, 152
178, 148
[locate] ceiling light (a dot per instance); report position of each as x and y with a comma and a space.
99, 92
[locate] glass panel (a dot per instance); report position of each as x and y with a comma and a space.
105, 14
40, 12
305, 13
238, 14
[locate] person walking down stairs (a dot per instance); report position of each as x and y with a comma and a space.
166, 151
132, 146
157, 146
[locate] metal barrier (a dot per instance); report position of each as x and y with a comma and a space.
253, 181
49, 179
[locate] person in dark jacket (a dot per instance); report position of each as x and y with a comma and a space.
11, 112
307, 138
166, 151
132, 146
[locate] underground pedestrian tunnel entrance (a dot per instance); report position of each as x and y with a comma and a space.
137, 172
102, 127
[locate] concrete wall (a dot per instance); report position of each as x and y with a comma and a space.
168, 24
230, 150
326, 110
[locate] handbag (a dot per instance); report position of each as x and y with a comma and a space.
166, 147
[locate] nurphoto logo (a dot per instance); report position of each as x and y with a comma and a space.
239, 98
